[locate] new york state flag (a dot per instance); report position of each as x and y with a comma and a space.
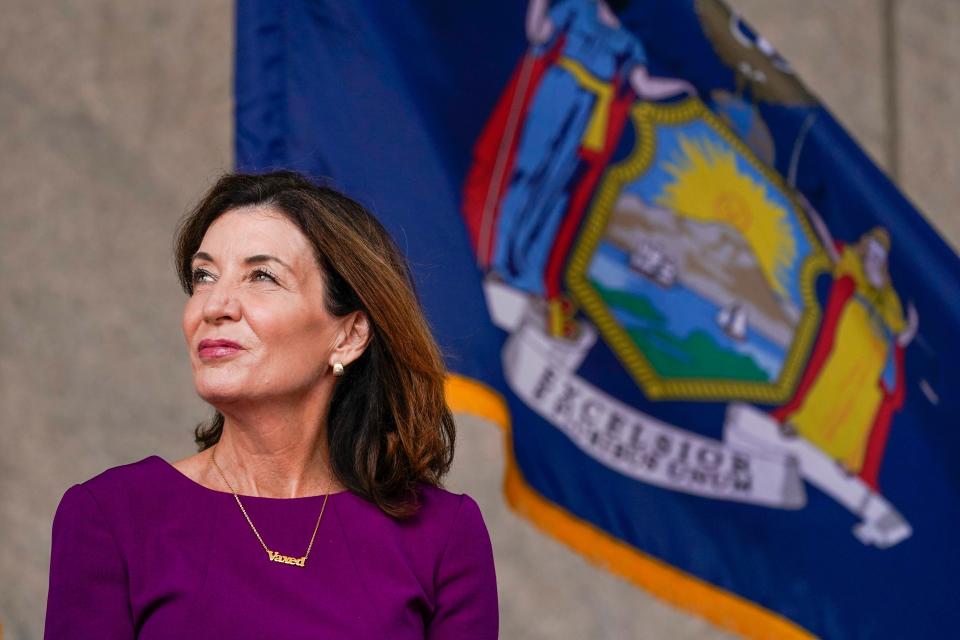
719, 340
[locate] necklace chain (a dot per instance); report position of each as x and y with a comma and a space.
273, 555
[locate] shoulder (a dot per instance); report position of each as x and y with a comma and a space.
119, 497
564, 11
451, 511
124, 482
438, 512
88, 582
445, 525
437, 502
443, 510
449, 532
461, 537
463, 582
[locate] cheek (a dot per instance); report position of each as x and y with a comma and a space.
295, 337
191, 317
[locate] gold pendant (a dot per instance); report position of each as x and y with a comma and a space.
279, 557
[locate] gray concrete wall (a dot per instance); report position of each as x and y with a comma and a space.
889, 70
115, 114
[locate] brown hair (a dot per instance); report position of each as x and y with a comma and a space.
388, 425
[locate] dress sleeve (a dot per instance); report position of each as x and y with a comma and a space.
466, 600
88, 595
637, 53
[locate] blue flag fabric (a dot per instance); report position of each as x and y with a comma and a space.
719, 337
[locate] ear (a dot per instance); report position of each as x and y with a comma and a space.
354, 337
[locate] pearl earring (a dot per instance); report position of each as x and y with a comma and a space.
337, 368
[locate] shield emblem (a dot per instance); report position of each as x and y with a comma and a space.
697, 263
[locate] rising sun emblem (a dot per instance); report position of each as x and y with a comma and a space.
709, 187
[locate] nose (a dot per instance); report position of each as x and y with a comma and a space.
221, 304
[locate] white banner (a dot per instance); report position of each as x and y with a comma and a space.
755, 463
539, 369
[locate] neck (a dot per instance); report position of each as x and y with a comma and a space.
275, 450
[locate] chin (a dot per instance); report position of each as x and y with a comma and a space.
220, 392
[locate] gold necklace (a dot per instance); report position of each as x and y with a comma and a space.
273, 555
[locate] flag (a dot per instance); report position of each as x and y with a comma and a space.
717, 336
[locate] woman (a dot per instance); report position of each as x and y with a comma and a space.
313, 508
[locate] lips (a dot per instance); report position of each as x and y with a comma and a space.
217, 348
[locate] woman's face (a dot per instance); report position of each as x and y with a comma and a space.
256, 283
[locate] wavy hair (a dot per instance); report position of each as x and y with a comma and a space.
388, 424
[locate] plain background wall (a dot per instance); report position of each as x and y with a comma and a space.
116, 114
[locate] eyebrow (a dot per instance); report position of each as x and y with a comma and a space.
257, 259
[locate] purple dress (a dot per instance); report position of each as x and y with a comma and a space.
143, 551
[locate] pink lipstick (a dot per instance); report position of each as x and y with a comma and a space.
217, 348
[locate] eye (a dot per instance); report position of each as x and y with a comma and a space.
199, 273
262, 272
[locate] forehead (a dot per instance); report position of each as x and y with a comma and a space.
247, 231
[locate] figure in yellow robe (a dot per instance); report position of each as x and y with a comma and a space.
854, 381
